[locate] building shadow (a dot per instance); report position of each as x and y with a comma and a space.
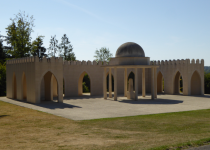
204, 96
50, 104
149, 101
81, 97
1, 116
55, 105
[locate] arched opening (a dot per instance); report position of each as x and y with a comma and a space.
195, 84
14, 84
49, 87
84, 87
160, 83
24, 86
132, 76
107, 81
178, 83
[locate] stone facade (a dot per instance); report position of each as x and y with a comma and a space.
35, 79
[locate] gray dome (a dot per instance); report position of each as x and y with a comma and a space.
130, 49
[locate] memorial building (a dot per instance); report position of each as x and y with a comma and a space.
35, 80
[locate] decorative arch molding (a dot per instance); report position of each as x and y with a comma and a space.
195, 83
80, 79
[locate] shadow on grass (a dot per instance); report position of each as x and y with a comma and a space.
1, 116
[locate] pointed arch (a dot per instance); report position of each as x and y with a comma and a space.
132, 76
160, 83
80, 83
24, 86
50, 85
14, 87
176, 83
195, 83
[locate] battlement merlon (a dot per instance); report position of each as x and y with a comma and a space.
178, 62
34, 59
85, 63
94, 63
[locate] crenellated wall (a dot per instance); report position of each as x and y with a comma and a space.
186, 68
72, 73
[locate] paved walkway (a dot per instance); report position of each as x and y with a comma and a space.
84, 108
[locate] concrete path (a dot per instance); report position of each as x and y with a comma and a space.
84, 108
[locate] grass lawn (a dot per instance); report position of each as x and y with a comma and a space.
23, 128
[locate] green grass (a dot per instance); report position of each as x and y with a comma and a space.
31, 129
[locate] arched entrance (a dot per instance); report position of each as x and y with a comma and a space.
107, 81
178, 83
132, 76
14, 86
49, 85
84, 84
160, 83
195, 84
24, 86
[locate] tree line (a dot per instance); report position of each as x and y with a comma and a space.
17, 43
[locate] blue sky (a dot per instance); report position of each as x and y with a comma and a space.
166, 29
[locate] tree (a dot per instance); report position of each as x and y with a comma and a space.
19, 35
2, 52
103, 54
53, 48
207, 83
37, 49
66, 49
2, 79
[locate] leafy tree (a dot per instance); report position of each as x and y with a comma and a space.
71, 56
207, 83
2, 52
53, 48
66, 49
207, 69
103, 54
2, 79
86, 83
37, 49
19, 35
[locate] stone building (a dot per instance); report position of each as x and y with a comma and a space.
33, 79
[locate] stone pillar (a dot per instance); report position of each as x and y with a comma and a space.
136, 83
143, 83
152, 84
125, 82
155, 82
110, 83
104, 85
115, 83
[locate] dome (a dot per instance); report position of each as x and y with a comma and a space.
130, 49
